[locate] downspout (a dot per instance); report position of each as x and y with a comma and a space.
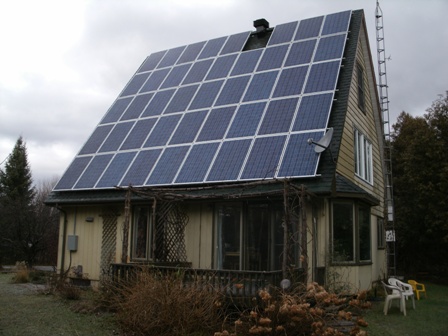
64, 233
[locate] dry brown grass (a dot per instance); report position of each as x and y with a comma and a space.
22, 276
163, 305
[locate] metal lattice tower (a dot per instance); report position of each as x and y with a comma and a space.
384, 104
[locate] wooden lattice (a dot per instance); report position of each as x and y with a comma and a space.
169, 235
108, 242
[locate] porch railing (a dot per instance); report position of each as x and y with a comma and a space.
234, 284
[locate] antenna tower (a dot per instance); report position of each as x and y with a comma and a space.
384, 104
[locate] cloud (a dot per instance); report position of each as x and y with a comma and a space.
63, 63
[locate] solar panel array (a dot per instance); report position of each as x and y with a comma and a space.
210, 112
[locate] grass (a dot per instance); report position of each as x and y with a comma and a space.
429, 317
25, 311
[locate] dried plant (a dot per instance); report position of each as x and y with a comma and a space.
309, 310
164, 305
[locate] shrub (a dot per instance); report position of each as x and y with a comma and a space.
304, 311
164, 305
22, 276
69, 292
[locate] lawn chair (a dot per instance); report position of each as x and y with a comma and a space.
408, 292
417, 288
393, 293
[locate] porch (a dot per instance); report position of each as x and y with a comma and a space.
237, 286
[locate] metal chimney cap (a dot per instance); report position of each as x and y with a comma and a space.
261, 24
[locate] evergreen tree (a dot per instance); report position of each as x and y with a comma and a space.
420, 171
16, 205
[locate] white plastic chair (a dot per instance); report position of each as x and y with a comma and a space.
393, 293
407, 290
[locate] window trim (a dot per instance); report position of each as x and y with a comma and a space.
363, 149
149, 230
356, 238
361, 88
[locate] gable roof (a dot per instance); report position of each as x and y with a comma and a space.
244, 139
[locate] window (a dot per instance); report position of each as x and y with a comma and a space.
141, 233
249, 236
363, 157
361, 93
351, 232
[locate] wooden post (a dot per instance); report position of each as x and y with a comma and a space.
286, 224
303, 235
127, 212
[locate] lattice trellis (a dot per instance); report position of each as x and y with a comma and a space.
108, 242
170, 232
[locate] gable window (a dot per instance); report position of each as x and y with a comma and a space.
363, 157
351, 232
361, 93
141, 233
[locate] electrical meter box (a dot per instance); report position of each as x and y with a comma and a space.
72, 243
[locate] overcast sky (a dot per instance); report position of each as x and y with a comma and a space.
63, 62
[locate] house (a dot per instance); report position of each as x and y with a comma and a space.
258, 153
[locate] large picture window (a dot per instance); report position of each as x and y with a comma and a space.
249, 236
363, 157
351, 232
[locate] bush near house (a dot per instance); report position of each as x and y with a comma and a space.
163, 305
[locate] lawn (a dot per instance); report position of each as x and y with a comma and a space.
27, 311
429, 317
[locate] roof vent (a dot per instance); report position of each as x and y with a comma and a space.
261, 25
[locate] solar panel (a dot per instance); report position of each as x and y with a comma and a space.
198, 71
116, 137
138, 134
246, 62
116, 169
330, 47
151, 61
212, 112
232, 91
135, 84
93, 171
171, 57
136, 107
261, 86
229, 161
188, 128
273, 58
264, 158
278, 116
116, 110
283, 33
216, 124
246, 121
154, 81
197, 163
168, 165
206, 95
309, 28
158, 103
176, 76
301, 53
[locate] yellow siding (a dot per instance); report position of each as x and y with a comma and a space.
199, 235
88, 253
368, 124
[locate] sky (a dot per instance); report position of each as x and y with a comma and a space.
64, 62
